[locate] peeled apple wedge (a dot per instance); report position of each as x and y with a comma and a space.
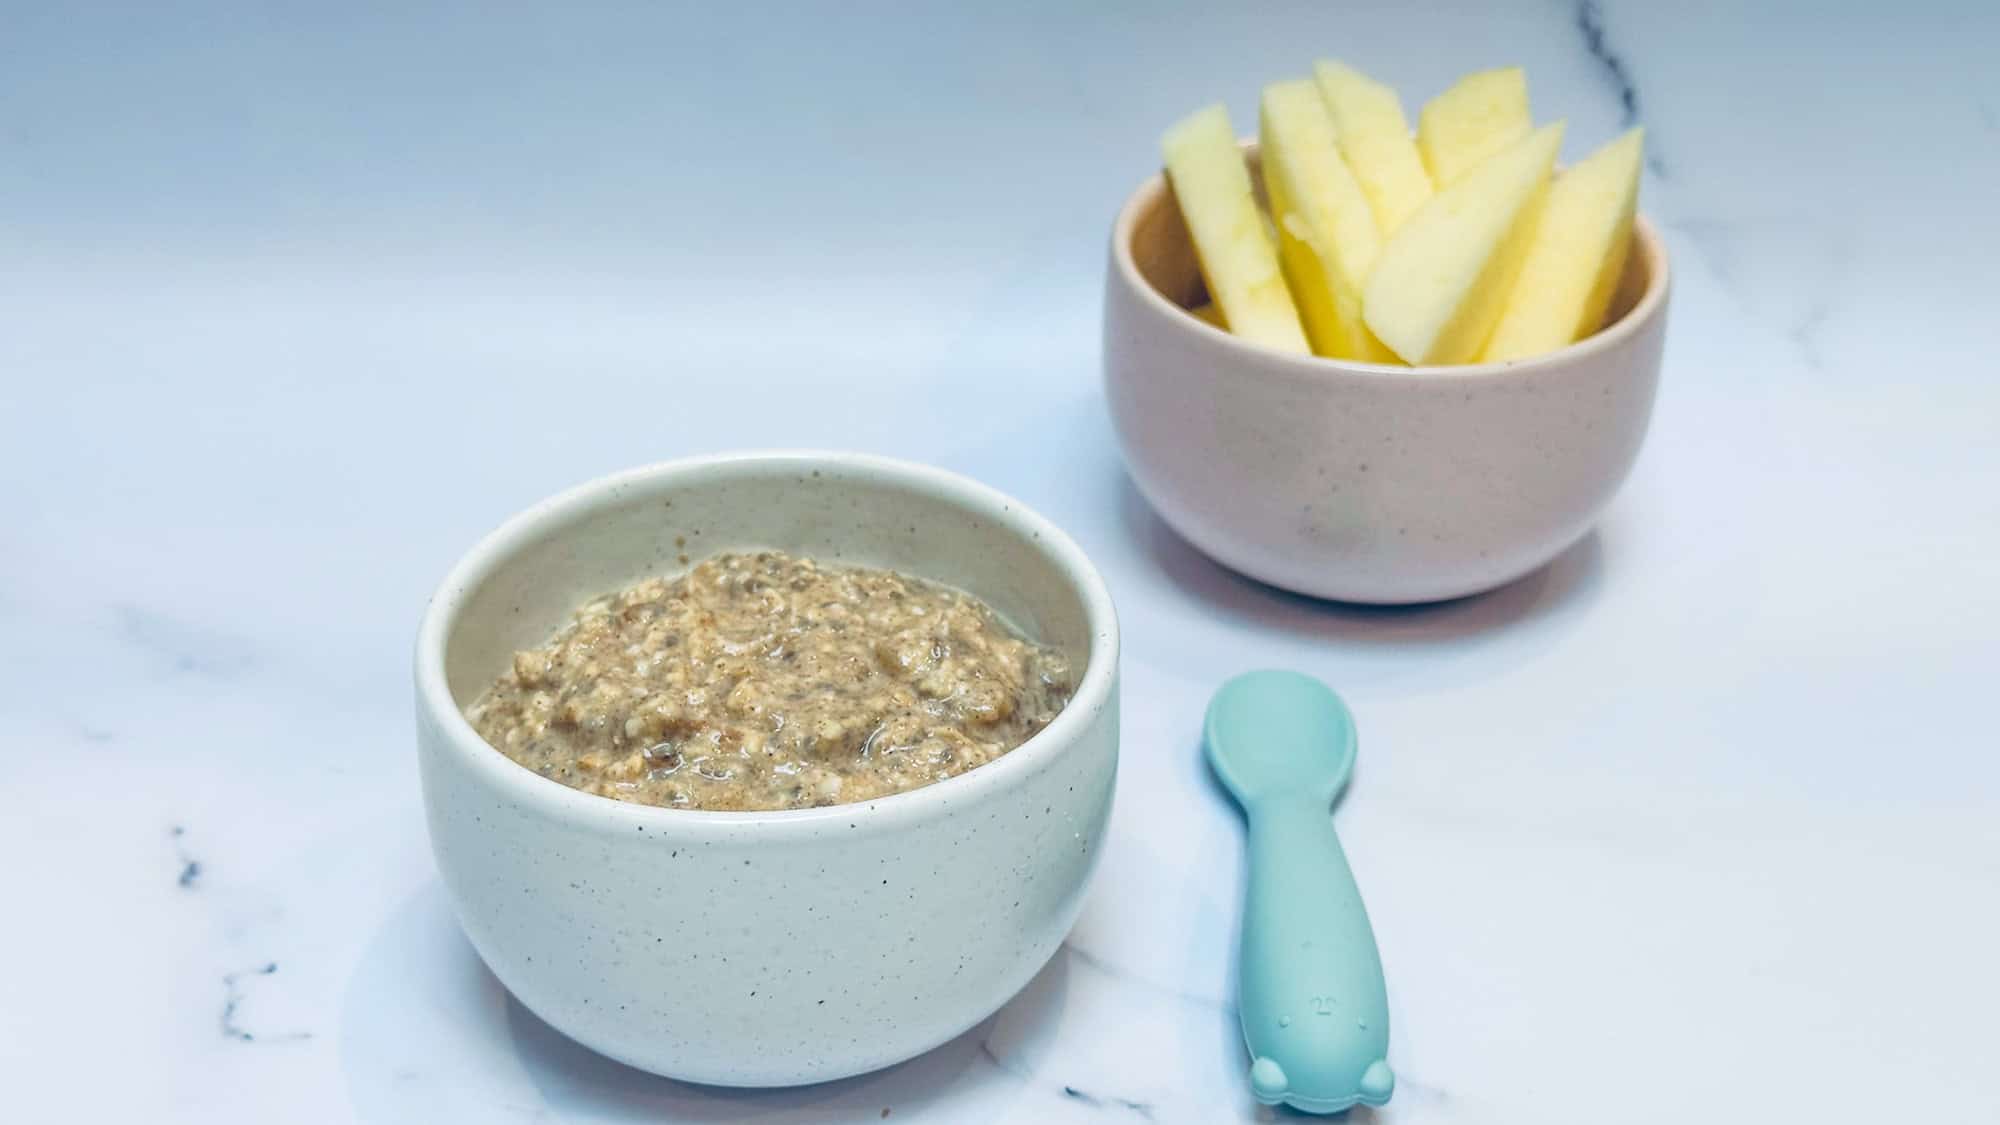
1209, 314
1442, 280
1375, 140
1577, 256
1327, 240
1481, 114
1238, 260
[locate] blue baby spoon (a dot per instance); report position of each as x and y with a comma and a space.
1315, 1008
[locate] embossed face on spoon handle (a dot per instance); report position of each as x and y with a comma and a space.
1314, 1005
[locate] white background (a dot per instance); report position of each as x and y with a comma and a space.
1701, 823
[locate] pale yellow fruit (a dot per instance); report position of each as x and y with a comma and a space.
1327, 239
1375, 139
1209, 314
1238, 259
1481, 114
1442, 280
1577, 256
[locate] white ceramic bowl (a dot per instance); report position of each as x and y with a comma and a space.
771, 948
1357, 481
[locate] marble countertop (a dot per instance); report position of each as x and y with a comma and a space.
1700, 823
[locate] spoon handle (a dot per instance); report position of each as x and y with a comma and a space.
1314, 1005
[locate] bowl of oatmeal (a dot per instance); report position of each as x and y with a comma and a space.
770, 768
762, 680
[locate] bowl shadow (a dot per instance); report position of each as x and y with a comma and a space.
430, 1034
578, 1081
1569, 580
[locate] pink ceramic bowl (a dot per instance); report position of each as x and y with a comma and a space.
1357, 481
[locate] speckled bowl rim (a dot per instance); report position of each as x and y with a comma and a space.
1269, 361
1093, 693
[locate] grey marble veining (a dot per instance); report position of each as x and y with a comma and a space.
236, 988
190, 872
1590, 24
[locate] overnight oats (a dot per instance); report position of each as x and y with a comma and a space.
769, 681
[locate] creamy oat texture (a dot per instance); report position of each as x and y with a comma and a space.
768, 681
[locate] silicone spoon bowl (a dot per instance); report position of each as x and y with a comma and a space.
1315, 1007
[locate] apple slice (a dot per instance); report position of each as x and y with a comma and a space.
1231, 243
1327, 240
1442, 280
1577, 256
1207, 313
1481, 114
1375, 139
